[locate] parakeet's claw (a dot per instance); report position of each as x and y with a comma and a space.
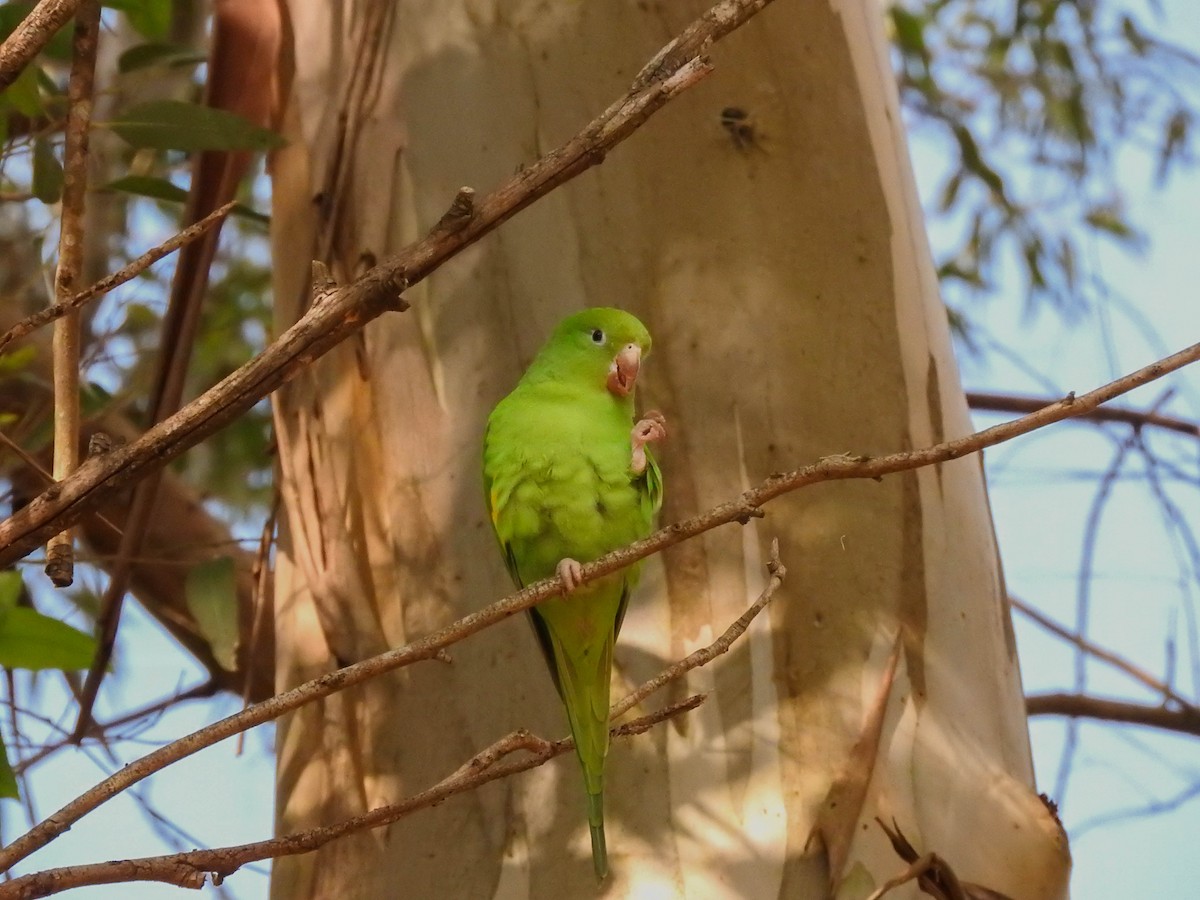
650, 428
571, 573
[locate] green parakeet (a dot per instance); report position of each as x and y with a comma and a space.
568, 477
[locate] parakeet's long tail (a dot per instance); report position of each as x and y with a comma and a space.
583, 683
596, 824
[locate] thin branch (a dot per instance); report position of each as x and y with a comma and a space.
932, 873
116, 279
1083, 593
705, 655
343, 311
34, 466
262, 601
155, 708
1011, 403
741, 509
1150, 808
1084, 706
34, 32
1106, 656
60, 549
192, 869
431, 647
96, 479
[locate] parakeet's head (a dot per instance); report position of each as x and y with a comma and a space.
602, 346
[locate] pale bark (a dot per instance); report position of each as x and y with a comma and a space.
795, 314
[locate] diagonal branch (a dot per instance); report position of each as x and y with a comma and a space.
1106, 656
1012, 403
340, 312
740, 509
116, 279
192, 869
34, 32
702, 657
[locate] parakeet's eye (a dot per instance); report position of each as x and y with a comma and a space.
598, 337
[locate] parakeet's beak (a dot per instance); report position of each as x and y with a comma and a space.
623, 372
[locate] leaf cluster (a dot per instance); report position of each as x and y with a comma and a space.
1038, 103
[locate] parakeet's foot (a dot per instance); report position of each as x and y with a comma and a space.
650, 428
571, 573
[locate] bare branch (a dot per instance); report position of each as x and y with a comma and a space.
429, 647
116, 279
191, 869
1107, 656
932, 873
432, 647
993, 402
203, 690
60, 550
1084, 706
705, 655
345, 310
34, 32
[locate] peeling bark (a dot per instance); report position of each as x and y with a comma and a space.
795, 312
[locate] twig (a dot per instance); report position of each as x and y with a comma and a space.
931, 872
35, 466
1107, 656
116, 279
993, 402
1183, 721
1083, 593
200, 691
65, 502
705, 655
262, 602
29, 37
431, 647
60, 560
739, 509
193, 868
1150, 808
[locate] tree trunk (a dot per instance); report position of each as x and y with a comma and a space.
781, 265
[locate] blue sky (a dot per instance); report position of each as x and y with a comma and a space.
1142, 594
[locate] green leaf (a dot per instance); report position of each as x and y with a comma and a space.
1174, 143
973, 162
23, 93
148, 186
150, 18
143, 56
10, 590
162, 189
47, 172
30, 640
176, 125
211, 591
910, 33
140, 318
8, 781
1109, 220
13, 361
93, 399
